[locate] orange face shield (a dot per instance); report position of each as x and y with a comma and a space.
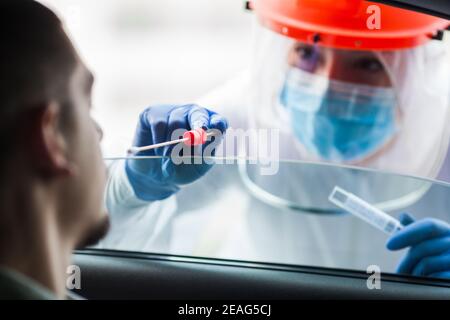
348, 24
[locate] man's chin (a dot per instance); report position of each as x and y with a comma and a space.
96, 233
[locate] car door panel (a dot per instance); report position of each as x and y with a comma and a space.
123, 275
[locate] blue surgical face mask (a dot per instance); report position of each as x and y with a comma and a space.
335, 120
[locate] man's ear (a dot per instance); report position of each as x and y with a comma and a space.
49, 145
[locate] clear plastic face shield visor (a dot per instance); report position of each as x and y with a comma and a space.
382, 111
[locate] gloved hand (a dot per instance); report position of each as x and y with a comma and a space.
158, 178
429, 242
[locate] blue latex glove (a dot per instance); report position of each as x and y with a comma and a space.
429, 242
157, 179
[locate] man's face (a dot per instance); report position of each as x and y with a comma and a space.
82, 198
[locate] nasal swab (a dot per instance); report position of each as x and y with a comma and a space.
191, 138
364, 211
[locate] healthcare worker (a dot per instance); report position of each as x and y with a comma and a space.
339, 92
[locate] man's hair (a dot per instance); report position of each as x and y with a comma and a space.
37, 60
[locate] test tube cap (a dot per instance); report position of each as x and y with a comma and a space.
195, 137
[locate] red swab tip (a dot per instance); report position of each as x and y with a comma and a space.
195, 137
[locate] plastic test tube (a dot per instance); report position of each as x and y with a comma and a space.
365, 211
